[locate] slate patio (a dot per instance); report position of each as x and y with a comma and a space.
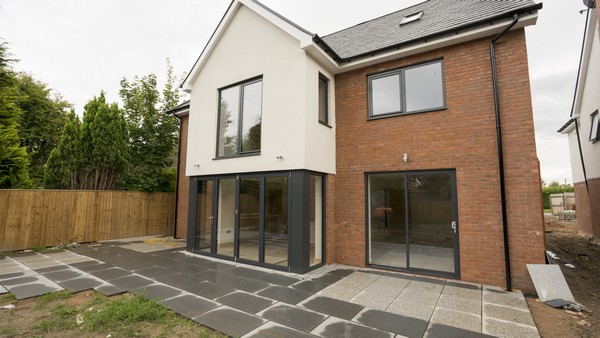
245, 301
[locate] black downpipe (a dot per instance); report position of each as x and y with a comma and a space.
500, 152
177, 176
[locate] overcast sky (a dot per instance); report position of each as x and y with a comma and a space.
80, 47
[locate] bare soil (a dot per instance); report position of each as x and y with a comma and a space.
584, 281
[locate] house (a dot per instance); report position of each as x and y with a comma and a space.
584, 132
398, 143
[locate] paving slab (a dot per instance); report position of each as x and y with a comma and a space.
131, 282
110, 273
158, 291
190, 305
500, 328
245, 284
230, 321
271, 329
504, 298
312, 286
508, 314
444, 331
53, 268
285, 294
335, 328
81, 284
109, 290
333, 307
63, 275
463, 304
209, 290
3, 290
33, 290
245, 301
292, 316
281, 280
458, 319
405, 326
20, 280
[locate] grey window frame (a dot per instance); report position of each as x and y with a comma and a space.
594, 138
240, 112
326, 80
400, 72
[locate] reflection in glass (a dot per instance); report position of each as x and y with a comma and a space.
276, 220
249, 218
316, 220
387, 220
323, 99
251, 120
228, 121
430, 218
424, 87
203, 216
386, 97
226, 217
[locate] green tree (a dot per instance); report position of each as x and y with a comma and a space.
152, 133
41, 122
13, 157
63, 167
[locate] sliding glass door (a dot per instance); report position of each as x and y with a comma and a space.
412, 221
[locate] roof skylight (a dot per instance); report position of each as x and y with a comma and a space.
411, 18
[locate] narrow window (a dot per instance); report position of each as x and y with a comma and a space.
595, 128
240, 117
407, 90
323, 100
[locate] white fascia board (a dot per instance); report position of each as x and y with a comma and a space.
303, 37
570, 128
322, 58
585, 61
182, 113
436, 43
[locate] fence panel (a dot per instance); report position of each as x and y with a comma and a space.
31, 218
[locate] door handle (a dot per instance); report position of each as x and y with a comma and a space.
454, 226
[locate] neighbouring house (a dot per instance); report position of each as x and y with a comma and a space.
583, 130
399, 143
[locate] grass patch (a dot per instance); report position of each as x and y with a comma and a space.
7, 297
8, 331
43, 300
38, 248
62, 318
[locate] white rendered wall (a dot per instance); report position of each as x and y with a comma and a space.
251, 46
590, 102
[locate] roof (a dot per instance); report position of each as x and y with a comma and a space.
567, 125
179, 108
439, 17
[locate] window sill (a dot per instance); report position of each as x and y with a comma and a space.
325, 124
379, 117
256, 153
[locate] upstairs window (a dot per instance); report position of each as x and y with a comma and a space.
407, 90
323, 100
240, 117
595, 128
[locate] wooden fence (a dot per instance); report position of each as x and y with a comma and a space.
31, 218
561, 202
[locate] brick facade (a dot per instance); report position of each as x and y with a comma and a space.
588, 208
461, 137
183, 183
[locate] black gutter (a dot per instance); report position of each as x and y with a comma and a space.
500, 151
424, 39
327, 49
173, 112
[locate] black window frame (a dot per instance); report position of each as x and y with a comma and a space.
323, 79
595, 138
400, 72
239, 152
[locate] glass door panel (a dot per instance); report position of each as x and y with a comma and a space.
226, 217
316, 220
204, 217
387, 220
430, 217
249, 219
276, 221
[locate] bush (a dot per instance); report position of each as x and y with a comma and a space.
554, 188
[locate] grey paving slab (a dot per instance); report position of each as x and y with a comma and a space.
16, 275
464, 304
53, 269
19, 280
311, 286
110, 273
335, 328
405, 326
3, 290
33, 290
151, 272
549, 282
209, 290
333, 307
412, 310
461, 320
109, 289
285, 294
508, 314
230, 321
245, 284
500, 328
292, 316
91, 266
341, 272
328, 278
131, 282
444, 331
80, 284
158, 291
189, 305
62, 275
245, 301
275, 330
215, 276
504, 298
278, 279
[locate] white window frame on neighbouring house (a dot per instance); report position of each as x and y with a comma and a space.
405, 91
595, 127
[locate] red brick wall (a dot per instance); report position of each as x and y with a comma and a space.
588, 215
183, 183
461, 137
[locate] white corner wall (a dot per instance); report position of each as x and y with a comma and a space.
252, 46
